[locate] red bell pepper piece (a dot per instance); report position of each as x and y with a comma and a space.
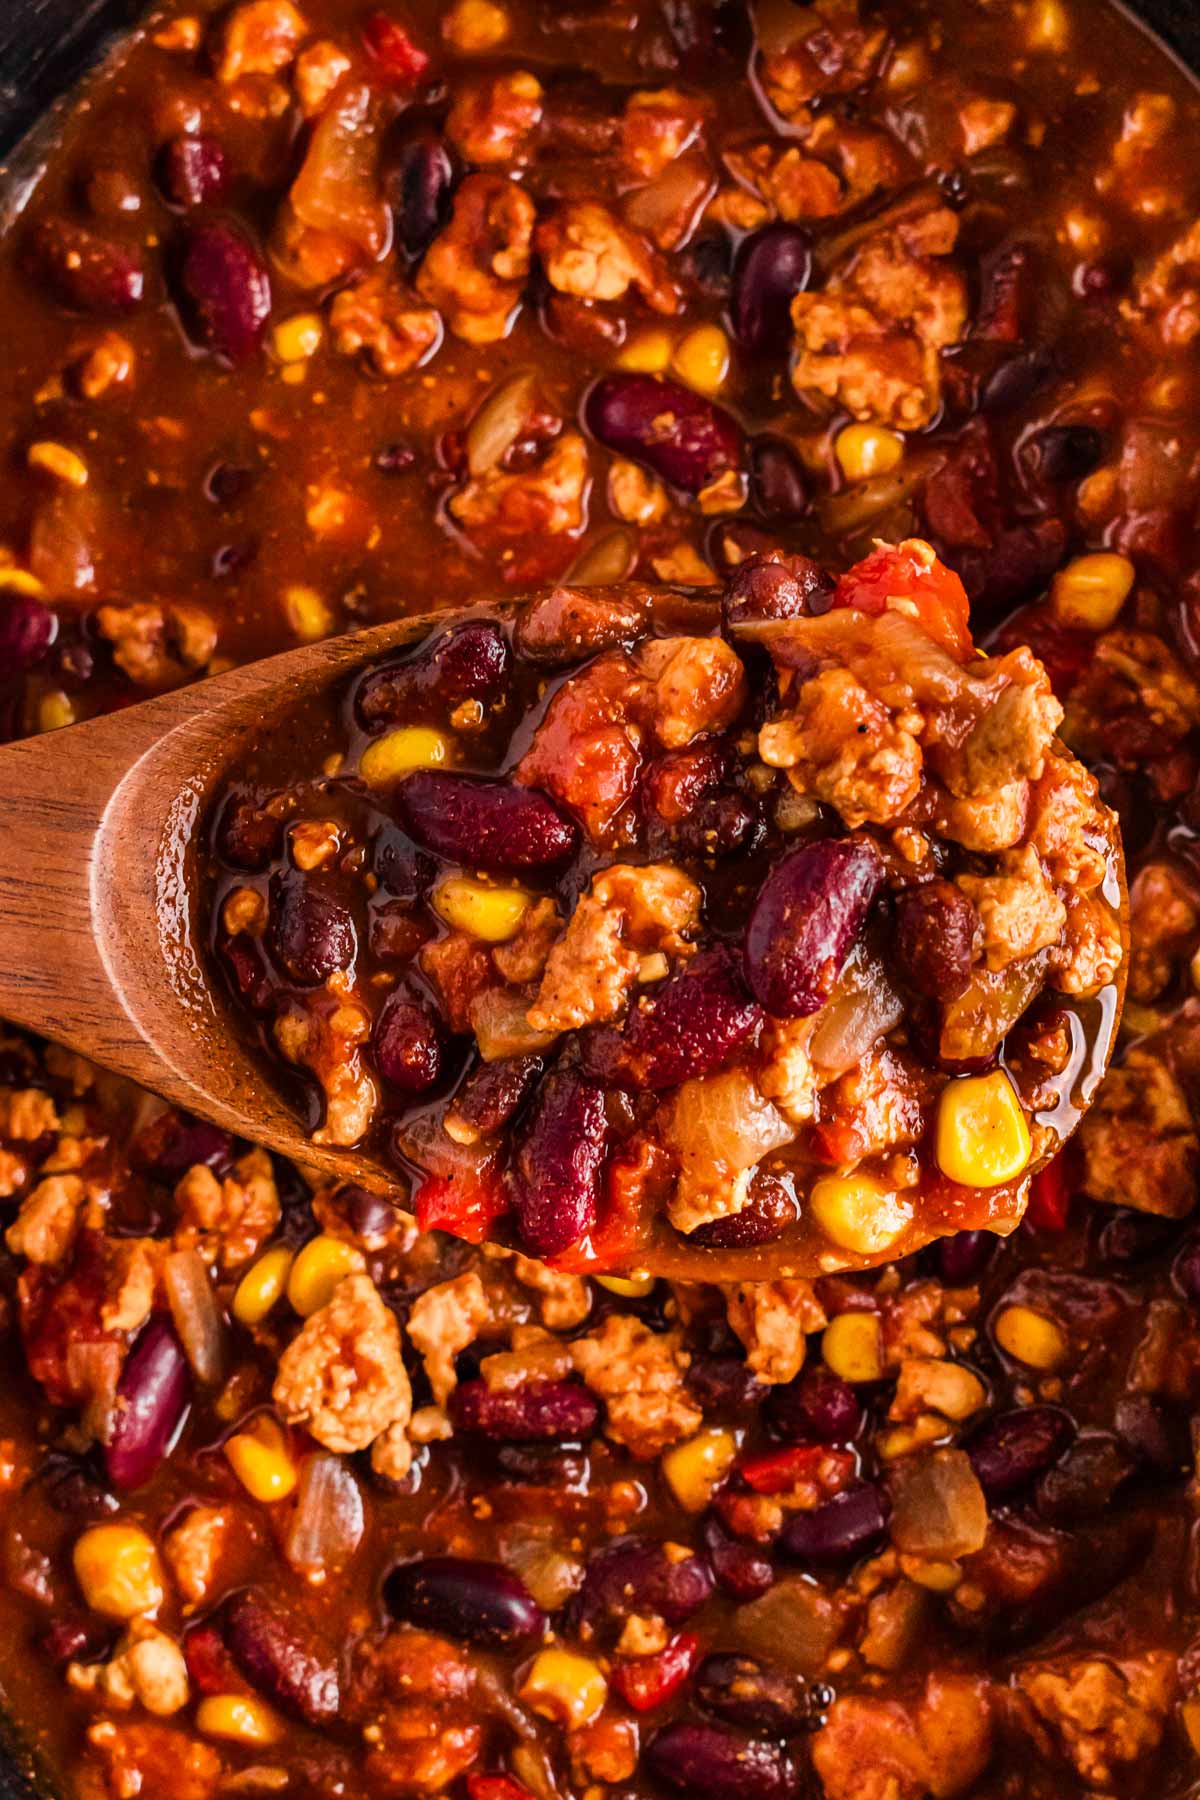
211, 1667
775, 1471
465, 1205
1050, 1197
903, 573
496, 1787
391, 48
645, 1682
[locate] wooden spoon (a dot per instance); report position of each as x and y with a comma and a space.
102, 926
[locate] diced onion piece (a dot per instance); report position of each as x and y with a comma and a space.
328, 1524
864, 1006
501, 1027
795, 1625
499, 422
198, 1317
938, 1507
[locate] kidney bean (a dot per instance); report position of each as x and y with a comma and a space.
73, 1640
468, 662
398, 865
246, 835
90, 273
484, 823
708, 265
224, 290
1085, 1480
369, 1215
1015, 1446
311, 933
809, 912
817, 1407
419, 186
175, 1142
936, 928
743, 1691
772, 267
778, 487
684, 438
743, 1570
279, 1658
1130, 1237
153, 1394
481, 1602
719, 825
406, 1042
721, 1765
776, 587
192, 171
724, 1381
248, 972
843, 1527
963, 1257
27, 630
772, 1208
495, 1091
528, 1414
73, 1486
558, 1163
694, 1023
635, 1575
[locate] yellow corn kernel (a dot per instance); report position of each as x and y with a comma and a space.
474, 26
649, 353
692, 1470
1048, 27
309, 616
866, 450
401, 751
702, 359
1189, 1712
491, 913
564, 1687
118, 1571
636, 1286
852, 1345
323, 1262
55, 710
1091, 590
982, 1134
294, 340
239, 1717
262, 1286
20, 581
1031, 1338
260, 1459
937, 1577
857, 1213
56, 459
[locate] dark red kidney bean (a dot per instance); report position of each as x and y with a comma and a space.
192, 171
721, 1765
684, 438
772, 1208
635, 1575
90, 273
694, 1023
174, 1142
809, 913
1016, 1446
773, 266
936, 929
399, 866
778, 488
368, 1214
153, 1394
468, 662
963, 1257
539, 1410
776, 587
481, 1602
719, 825
73, 1487
717, 1382
311, 933
843, 1527
484, 823
817, 1407
559, 1162
742, 1570
406, 1043
27, 630
281, 1659
745, 1692
246, 835
419, 186
494, 1092
73, 1640
224, 290
247, 969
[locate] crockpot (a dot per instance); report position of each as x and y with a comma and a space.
46, 46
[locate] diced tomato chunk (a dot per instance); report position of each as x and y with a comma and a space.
1050, 1197
776, 1471
1063, 653
209, 1664
393, 50
645, 1682
634, 1184
496, 1787
911, 574
466, 1205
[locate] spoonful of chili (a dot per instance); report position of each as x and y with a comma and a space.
639, 932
